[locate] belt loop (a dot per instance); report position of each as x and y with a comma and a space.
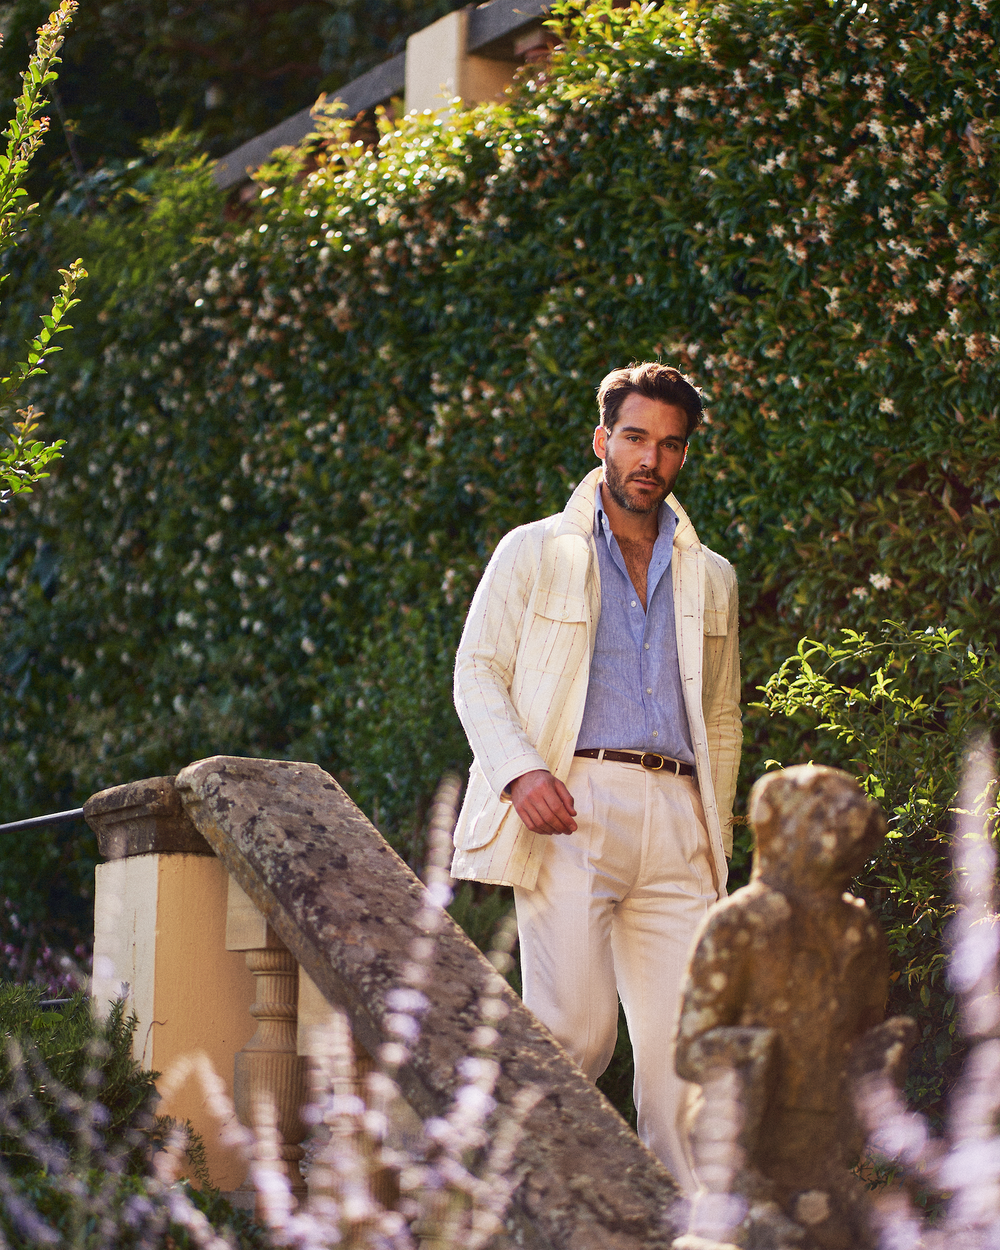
600, 755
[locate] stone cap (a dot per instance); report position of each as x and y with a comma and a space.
143, 818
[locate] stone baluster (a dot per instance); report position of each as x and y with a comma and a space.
321, 1037
269, 1080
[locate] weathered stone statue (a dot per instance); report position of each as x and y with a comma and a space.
782, 1008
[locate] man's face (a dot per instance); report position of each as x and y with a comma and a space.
644, 452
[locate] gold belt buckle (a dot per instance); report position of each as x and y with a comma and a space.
651, 755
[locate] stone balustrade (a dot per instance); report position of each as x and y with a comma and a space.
244, 902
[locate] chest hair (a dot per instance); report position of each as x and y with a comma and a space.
637, 553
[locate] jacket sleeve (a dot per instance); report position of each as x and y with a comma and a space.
484, 665
721, 704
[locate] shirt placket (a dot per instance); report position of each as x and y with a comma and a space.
649, 659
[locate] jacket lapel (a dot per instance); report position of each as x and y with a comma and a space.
574, 552
688, 576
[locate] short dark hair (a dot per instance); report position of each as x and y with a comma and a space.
653, 380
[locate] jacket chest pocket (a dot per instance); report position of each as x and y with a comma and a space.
716, 621
558, 624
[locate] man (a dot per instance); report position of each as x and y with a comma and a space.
598, 682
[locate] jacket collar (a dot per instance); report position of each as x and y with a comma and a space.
578, 515
685, 536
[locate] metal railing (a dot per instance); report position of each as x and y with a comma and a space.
38, 822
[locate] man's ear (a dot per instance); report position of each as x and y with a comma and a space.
600, 442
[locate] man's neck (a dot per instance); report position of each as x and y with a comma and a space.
637, 527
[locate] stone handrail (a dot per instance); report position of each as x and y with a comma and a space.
333, 892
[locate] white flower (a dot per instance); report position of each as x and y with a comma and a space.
185, 620
886, 405
308, 646
226, 504
880, 581
859, 592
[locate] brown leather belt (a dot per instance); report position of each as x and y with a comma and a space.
648, 759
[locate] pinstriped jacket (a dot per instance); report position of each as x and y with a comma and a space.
523, 666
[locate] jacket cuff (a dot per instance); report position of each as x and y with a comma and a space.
501, 780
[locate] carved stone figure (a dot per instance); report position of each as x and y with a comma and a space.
782, 1008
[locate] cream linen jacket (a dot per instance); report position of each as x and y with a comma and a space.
523, 667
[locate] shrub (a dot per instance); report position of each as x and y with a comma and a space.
77, 1137
900, 710
52, 1056
51, 1215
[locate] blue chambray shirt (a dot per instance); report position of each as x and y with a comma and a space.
634, 699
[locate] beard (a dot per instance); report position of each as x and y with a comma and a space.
618, 488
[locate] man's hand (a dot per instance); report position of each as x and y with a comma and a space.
543, 802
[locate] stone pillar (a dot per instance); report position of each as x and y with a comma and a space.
159, 938
439, 67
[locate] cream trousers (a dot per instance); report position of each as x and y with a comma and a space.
613, 914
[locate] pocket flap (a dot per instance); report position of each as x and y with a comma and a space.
484, 826
716, 621
560, 607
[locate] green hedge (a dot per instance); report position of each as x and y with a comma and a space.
296, 437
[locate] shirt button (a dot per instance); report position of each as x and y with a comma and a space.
649, 689
633, 603
645, 646
656, 733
